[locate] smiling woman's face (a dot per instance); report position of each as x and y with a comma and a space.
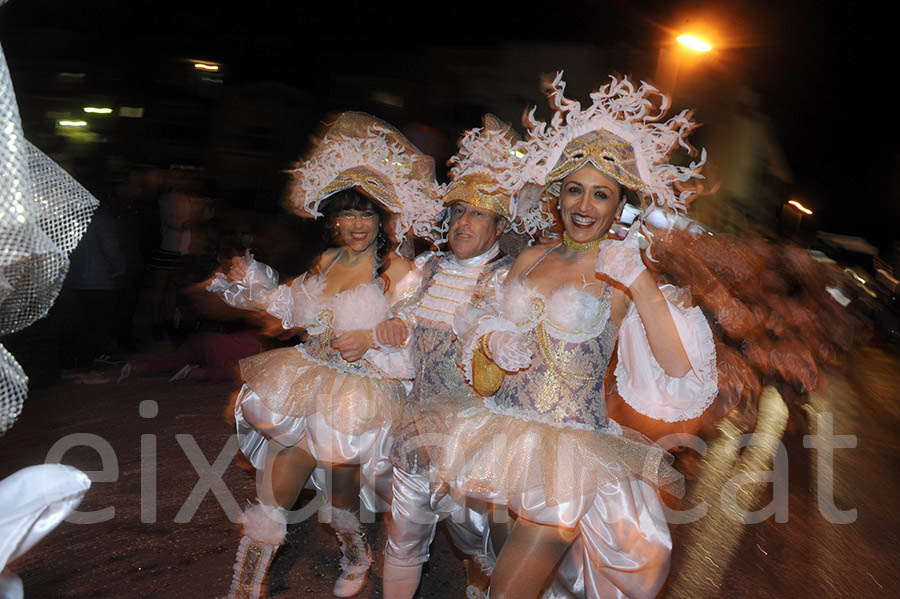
589, 202
358, 228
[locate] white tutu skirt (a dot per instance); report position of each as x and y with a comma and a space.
337, 417
603, 483
256, 425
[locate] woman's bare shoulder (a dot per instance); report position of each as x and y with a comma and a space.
526, 258
396, 267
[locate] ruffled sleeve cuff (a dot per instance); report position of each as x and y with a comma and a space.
253, 292
393, 363
642, 382
477, 323
298, 304
472, 322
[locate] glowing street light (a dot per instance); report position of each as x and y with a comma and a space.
687, 55
206, 67
67, 123
95, 110
800, 207
694, 43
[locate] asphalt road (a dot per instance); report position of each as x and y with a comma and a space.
164, 541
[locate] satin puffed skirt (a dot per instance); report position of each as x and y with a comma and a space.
337, 417
623, 550
546, 473
604, 483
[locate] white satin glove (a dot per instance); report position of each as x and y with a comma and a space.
510, 351
249, 284
621, 260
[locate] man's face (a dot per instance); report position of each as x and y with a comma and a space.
473, 230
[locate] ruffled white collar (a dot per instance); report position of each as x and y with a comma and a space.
452, 263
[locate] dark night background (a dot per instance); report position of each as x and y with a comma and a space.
822, 72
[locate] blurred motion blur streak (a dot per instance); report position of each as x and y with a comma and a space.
692, 574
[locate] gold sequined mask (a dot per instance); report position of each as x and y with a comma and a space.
608, 153
480, 190
368, 182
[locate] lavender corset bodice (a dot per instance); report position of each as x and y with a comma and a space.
572, 339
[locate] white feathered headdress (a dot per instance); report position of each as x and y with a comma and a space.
366, 153
622, 133
487, 172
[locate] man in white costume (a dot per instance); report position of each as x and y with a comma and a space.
442, 285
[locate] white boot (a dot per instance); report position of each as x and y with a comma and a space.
264, 530
400, 582
356, 557
478, 577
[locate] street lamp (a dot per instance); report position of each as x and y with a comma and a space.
676, 56
692, 42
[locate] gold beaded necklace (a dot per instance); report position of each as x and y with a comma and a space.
581, 246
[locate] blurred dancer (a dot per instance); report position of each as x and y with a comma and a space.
481, 207
313, 408
542, 446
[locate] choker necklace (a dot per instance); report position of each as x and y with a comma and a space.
579, 246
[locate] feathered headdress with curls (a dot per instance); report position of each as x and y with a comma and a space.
622, 133
486, 172
363, 152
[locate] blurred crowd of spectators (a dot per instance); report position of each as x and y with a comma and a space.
135, 293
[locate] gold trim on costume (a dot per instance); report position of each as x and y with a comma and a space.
577, 378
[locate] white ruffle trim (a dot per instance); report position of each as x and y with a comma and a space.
302, 305
298, 304
393, 363
360, 308
642, 382
571, 314
265, 523
253, 291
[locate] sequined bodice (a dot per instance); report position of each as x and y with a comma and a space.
360, 308
572, 339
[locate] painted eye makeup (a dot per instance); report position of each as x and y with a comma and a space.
352, 214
